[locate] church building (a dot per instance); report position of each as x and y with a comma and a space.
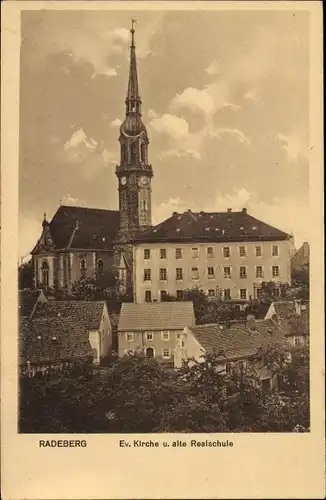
228, 251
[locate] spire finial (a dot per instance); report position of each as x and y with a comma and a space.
132, 31
44, 215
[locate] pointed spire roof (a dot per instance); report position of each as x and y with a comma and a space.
133, 92
133, 125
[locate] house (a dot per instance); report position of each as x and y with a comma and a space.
291, 317
238, 343
300, 259
28, 300
62, 331
153, 329
229, 251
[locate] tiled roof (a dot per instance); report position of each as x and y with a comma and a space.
289, 321
50, 340
96, 228
85, 313
26, 302
214, 226
238, 341
156, 316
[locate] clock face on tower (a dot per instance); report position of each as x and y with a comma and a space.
123, 181
143, 180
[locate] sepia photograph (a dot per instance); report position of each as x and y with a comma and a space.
164, 252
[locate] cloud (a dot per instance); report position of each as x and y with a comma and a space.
192, 153
193, 99
116, 123
213, 68
165, 209
205, 101
295, 145
234, 131
171, 125
72, 201
151, 114
79, 138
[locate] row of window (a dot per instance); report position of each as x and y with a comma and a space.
166, 352
243, 294
163, 274
210, 252
150, 336
99, 265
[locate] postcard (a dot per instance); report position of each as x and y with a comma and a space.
162, 250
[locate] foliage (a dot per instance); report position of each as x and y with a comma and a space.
26, 275
87, 288
137, 394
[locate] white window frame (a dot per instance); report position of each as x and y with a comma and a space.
224, 290
261, 251
242, 298
176, 274
195, 250
165, 332
224, 257
245, 251
147, 250
166, 274
152, 336
246, 274
147, 301
192, 270
132, 336
230, 275
164, 250
278, 251
166, 349
161, 294
150, 274
262, 272
210, 255
211, 276
178, 250
278, 271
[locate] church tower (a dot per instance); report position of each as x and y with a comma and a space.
134, 172
134, 175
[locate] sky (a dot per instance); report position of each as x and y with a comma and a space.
225, 101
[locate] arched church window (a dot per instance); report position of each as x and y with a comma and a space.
45, 273
143, 152
100, 267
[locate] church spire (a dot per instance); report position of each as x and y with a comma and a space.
133, 101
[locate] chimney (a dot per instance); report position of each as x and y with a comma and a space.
244, 210
229, 210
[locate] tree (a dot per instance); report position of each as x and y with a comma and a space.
138, 394
26, 275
